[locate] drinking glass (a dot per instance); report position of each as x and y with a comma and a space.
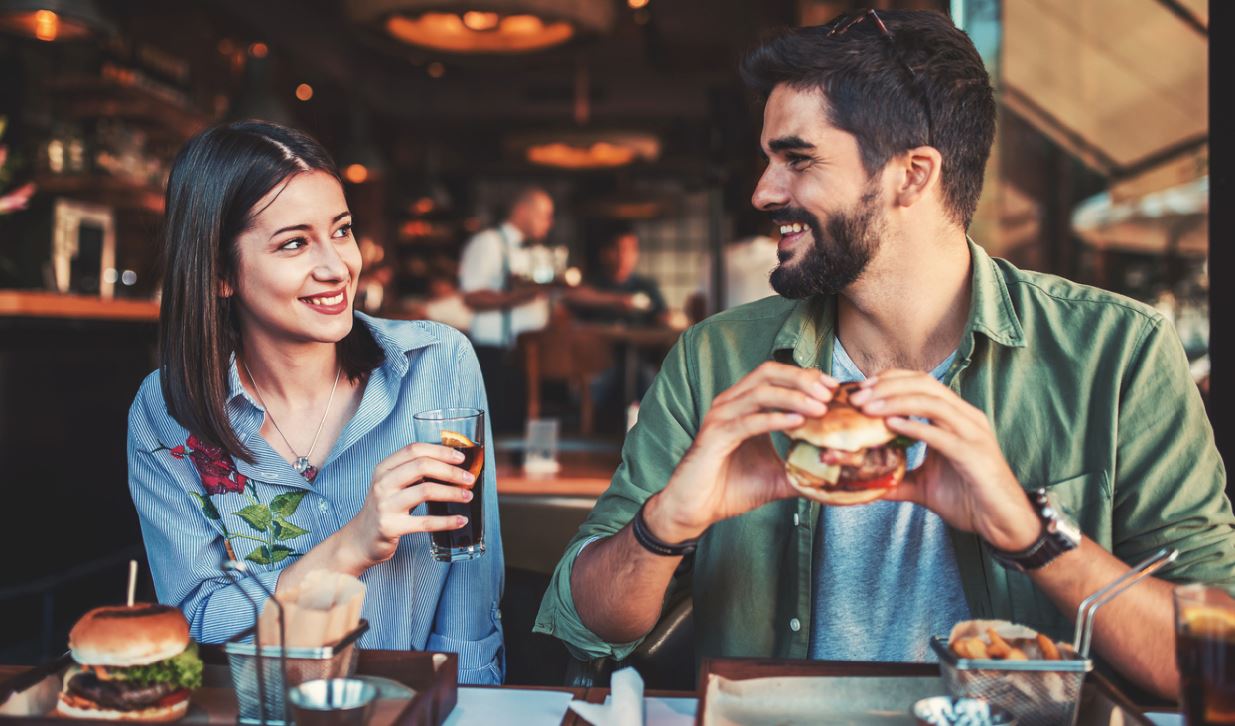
1205, 652
462, 429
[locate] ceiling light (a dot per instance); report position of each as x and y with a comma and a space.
484, 26
53, 20
588, 149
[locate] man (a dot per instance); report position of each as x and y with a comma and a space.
876, 144
490, 260
616, 294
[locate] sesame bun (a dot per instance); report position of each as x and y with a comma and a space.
843, 427
121, 635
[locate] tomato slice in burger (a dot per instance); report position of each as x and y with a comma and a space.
887, 481
172, 698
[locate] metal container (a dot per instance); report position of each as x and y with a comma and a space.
1040, 692
1046, 692
335, 702
281, 671
948, 711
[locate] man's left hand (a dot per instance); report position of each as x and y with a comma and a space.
965, 478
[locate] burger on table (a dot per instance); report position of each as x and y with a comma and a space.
131, 663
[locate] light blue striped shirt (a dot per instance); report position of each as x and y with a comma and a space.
269, 514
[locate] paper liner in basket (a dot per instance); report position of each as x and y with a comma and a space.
323, 608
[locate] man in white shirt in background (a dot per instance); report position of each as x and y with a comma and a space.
490, 260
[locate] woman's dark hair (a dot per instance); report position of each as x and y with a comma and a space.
216, 181
924, 85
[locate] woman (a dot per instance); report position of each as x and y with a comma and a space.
277, 428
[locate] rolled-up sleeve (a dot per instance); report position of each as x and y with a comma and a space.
668, 420
468, 621
1170, 482
184, 549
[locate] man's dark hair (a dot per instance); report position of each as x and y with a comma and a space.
609, 231
871, 95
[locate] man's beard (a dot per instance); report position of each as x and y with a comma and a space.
835, 259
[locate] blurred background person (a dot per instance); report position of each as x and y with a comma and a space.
491, 263
613, 292
445, 304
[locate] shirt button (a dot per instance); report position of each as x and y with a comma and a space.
795, 625
499, 614
796, 519
323, 507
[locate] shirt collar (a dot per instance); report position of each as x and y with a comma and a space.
806, 334
395, 338
511, 234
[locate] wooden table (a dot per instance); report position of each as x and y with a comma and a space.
39, 304
736, 669
582, 475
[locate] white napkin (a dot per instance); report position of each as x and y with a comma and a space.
625, 707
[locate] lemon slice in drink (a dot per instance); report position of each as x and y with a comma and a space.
1209, 621
456, 440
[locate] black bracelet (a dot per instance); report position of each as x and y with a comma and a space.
655, 545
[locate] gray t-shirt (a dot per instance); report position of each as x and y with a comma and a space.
885, 576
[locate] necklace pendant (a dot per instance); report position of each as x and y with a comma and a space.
305, 469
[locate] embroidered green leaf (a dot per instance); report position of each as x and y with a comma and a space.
285, 530
286, 504
257, 515
207, 506
260, 555
278, 553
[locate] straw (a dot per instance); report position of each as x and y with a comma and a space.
132, 581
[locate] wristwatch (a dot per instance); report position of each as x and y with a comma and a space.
1059, 535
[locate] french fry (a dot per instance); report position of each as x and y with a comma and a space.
1049, 650
971, 648
999, 647
1016, 654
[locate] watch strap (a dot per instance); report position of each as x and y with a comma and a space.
1058, 536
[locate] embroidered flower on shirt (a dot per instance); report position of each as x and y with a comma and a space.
270, 520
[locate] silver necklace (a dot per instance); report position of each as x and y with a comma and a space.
302, 465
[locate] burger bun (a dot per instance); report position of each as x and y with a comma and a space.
163, 714
120, 635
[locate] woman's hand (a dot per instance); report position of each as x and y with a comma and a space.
400, 484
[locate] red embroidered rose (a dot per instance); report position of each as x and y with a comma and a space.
218, 472
214, 452
178, 452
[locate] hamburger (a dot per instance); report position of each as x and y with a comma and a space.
131, 663
845, 457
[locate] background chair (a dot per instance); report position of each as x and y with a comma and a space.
567, 353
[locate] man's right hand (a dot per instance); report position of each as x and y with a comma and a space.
732, 468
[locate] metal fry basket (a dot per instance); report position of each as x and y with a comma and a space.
263, 676
1040, 692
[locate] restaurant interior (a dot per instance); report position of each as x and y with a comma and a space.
630, 114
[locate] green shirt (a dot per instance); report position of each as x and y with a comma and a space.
1088, 392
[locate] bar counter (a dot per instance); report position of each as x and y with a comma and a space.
39, 304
